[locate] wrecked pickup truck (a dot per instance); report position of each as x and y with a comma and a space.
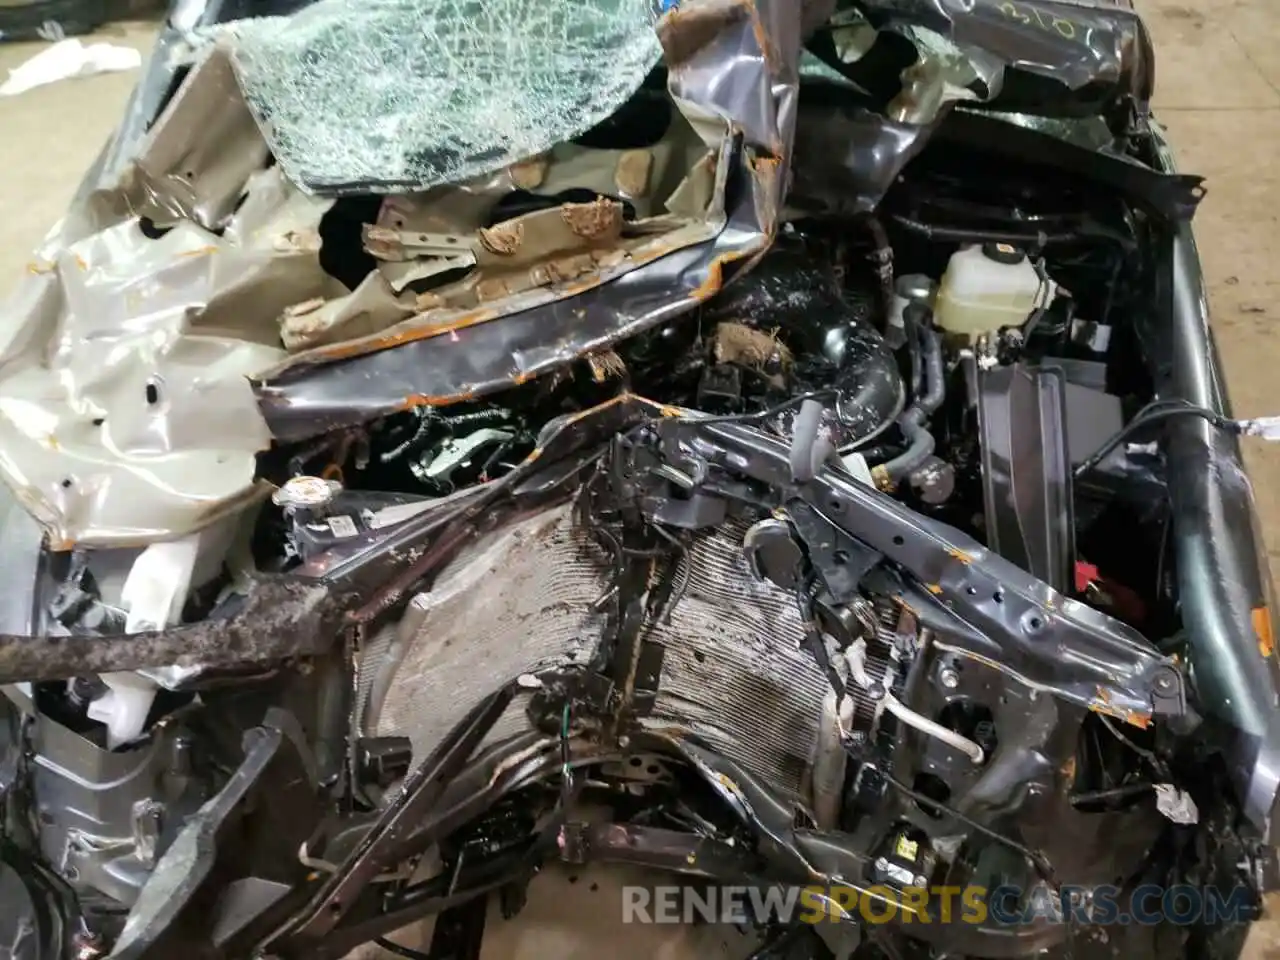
735, 442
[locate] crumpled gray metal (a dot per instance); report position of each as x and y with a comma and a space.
393, 95
125, 416
982, 58
723, 79
1076, 44
1091, 133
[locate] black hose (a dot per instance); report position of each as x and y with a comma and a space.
920, 442
911, 321
882, 258
935, 387
1037, 239
1112, 793
1152, 413
1033, 322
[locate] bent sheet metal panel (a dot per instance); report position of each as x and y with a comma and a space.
110, 436
732, 66
735, 61
94, 509
280, 618
124, 410
1077, 43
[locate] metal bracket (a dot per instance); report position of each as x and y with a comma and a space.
983, 606
381, 846
274, 753
1022, 415
400, 246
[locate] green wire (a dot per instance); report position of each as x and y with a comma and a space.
564, 742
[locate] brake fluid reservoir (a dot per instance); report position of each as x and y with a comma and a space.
984, 288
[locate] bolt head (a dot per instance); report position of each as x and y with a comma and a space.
882, 864
949, 678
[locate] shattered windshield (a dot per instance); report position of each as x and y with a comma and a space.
389, 95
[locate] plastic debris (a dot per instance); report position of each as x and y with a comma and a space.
1176, 804
66, 59
1268, 428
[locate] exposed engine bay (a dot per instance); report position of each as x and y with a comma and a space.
846, 499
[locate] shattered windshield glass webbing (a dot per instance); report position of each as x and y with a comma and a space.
396, 94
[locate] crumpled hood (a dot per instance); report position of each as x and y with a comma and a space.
180, 320
1044, 56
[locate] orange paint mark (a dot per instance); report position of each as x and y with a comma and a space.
765, 165
201, 252
620, 398
960, 555
767, 50
933, 588
715, 276
426, 400
1068, 770
902, 602
358, 348
575, 287
1104, 706
1262, 628
728, 784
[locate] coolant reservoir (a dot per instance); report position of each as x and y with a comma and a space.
986, 287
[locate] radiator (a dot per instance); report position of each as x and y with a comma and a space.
733, 675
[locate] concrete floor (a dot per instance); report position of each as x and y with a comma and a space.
1218, 92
